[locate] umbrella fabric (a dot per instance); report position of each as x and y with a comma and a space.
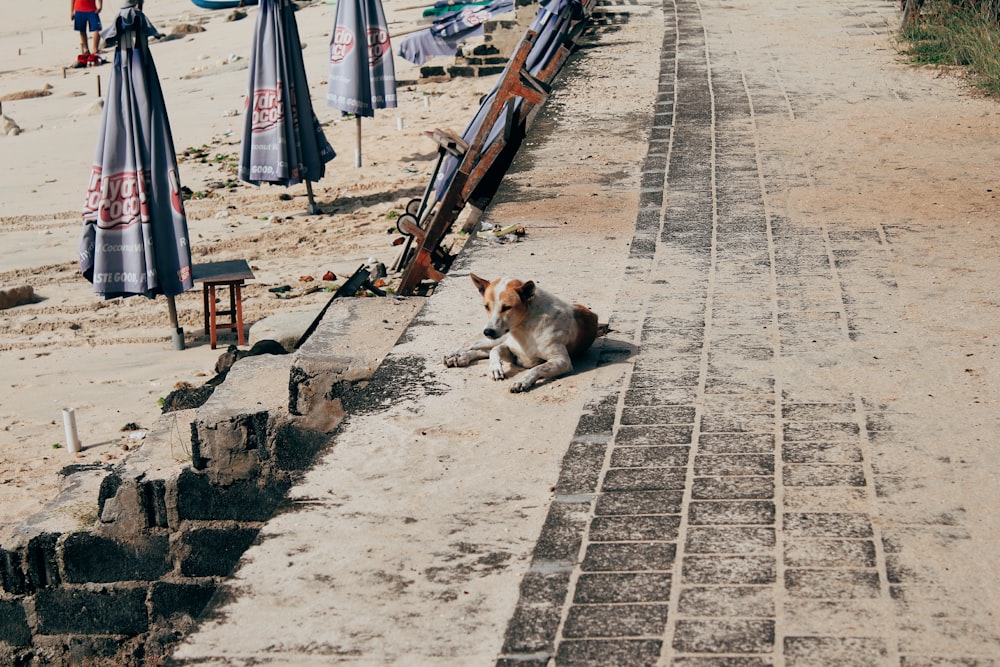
135, 236
552, 25
283, 142
443, 7
362, 73
443, 38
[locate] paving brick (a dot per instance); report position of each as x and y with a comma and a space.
581, 468
800, 412
654, 435
833, 583
620, 620
724, 636
726, 539
841, 651
732, 601
644, 479
733, 464
830, 553
532, 629
625, 556
827, 524
823, 475
562, 532
841, 617
654, 456
639, 502
722, 661
601, 653
821, 431
660, 395
662, 527
723, 488
737, 423
596, 588
727, 512
544, 588
736, 443
821, 452
640, 415
729, 570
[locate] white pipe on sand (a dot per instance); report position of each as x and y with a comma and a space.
69, 425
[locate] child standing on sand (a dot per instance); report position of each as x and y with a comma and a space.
85, 16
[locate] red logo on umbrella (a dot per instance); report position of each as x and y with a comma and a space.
378, 44
343, 43
267, 110
123, 200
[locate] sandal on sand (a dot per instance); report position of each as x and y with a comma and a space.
95, 59
82, 60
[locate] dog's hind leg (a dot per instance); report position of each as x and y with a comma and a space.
550, 369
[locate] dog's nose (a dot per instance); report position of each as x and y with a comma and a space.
490, 333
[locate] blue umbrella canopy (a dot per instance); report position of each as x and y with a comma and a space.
362, 73
283, 141
135, 236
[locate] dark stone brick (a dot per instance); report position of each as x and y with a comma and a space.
639, 502
737, 423
581, 468
729, 570
90, 558
626, 556
660, 396
41, 561
644, 479
456, 71
736, 443
721, 661
724, 636
12, 577
654, 435
190, 599
485, 50
629, 528
732, 488
801, 412
726, 539
519, 661
432, 70
810, 474
212, 551
832, 584
745, 601
726, 512
639, 457
562, 532
14, 628
821, 431
200, 500
659, 414
604, 652
827, 524
598, 417
545, 588
841, 651
725, 465
622, 620
108, 611
532, 629
821, 452
595, 588
830, 553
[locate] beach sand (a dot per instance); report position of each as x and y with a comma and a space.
112, 361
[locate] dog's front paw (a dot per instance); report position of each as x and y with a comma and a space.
456, 359
496, 372
519, 386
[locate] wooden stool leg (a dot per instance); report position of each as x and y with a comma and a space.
238, 310
212, 334
204, 298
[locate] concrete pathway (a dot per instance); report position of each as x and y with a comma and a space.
757, 467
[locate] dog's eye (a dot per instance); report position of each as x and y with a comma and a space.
487, 307
505, 309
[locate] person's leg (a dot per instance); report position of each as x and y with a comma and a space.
83, 43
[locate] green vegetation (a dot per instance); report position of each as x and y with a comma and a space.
959, 33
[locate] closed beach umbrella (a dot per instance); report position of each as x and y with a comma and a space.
135, 236
362, 74
443, 38
283, 142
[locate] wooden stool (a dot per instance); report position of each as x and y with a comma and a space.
229, 274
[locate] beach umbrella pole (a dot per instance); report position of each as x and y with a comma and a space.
176, 333
357, 143
313, 208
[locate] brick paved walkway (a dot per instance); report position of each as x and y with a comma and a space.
719, 506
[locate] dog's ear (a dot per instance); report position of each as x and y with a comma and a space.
527, 291
481, 283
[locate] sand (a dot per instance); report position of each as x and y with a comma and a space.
112, 361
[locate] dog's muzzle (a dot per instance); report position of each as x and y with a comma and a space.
491, 333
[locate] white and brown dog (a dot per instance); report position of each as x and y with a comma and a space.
529, 327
